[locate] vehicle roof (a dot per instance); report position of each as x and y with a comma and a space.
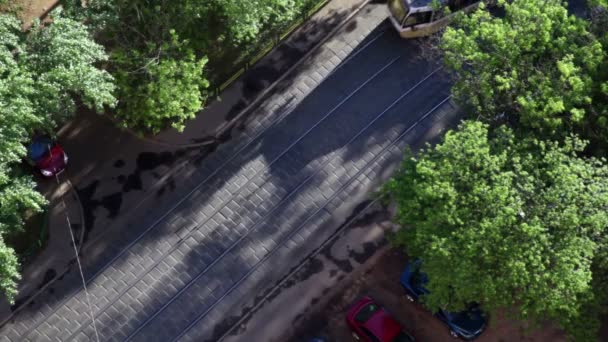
38, 147
383, 326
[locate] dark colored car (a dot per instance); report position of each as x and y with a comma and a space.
467, 324
413, 281
371, 323
47, 156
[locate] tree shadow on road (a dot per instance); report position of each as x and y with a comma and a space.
234, 218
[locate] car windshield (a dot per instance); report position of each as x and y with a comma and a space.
403, 337
366, 313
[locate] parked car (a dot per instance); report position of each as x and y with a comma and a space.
467, 324
372, 323
47, 156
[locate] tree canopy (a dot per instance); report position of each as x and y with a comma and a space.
40, 75
163, 53
535, 67
506, 221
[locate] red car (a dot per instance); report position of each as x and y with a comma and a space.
47, 156
372, 323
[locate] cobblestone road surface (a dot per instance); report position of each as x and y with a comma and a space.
262, 201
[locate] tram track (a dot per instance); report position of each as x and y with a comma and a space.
252, 229
357, 51
297, 229
128, 248
275, 289
255, 176
156, 275
278, 206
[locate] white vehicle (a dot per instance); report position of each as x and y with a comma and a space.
419, 18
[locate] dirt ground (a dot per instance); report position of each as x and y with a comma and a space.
381, 282
28, 10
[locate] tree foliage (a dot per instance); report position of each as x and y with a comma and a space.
157, 43
535, 67
170, 93
599, 26
160, 80
40, 74
507, 221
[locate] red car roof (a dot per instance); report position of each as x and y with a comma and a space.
380, 323
53, 161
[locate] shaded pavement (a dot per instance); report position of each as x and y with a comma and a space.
116, 173
243, 215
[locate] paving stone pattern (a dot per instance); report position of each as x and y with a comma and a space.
263, 200
317, 229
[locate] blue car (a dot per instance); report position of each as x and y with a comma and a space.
467, 324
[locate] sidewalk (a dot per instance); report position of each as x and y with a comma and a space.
58, 255
116, 173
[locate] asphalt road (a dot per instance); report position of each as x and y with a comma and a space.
264, 201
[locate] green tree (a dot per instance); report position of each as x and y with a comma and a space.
599, 26
63, 60
40, 75
158, 43
507, 221
167, 92
246, 20
534, 67
17, 196
161, 80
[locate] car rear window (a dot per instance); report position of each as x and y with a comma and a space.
366, 312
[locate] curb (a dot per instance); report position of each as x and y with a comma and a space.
81, 214
208, 141
66, 268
